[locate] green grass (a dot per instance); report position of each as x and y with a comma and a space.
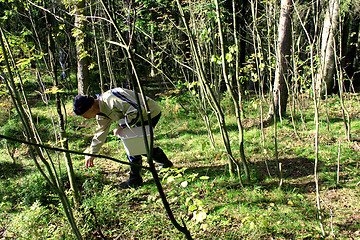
199, 188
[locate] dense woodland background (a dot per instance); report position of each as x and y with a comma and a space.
229, 66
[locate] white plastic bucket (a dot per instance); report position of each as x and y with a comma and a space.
133, 140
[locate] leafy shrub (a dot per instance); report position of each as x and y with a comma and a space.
101, 205
32, 223
39, 222
27, 190
13, 128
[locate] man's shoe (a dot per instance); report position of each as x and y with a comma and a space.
132, 183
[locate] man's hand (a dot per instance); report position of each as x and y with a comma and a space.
117, 131
89, 162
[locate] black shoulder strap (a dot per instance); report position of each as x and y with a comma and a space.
102, 114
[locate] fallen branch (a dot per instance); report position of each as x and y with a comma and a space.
68, 151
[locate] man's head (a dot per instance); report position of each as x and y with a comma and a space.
83, 106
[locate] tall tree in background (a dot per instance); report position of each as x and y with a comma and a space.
326, 71
129, 38
351, 60
51, 31
280, 89
80, 35
231, 91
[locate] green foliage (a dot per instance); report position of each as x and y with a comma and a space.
27, 189
37, 222
102, 203
13, 128
31, 222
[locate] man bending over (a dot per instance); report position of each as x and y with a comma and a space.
119, 105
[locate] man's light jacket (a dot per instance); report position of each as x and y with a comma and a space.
119, 105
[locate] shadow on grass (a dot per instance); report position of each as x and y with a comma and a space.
12, 170
351, 227
295, 174
210, 171
292, 168
178, 133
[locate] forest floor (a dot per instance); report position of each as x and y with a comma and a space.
199, 189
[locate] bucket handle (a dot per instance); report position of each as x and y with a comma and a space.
127, 124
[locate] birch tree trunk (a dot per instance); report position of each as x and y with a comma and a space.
62, 129
129, 4
351, 59
280, 91
98, 55
209, 94
326, 72
230, 91
81, 48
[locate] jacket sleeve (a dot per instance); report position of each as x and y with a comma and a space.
101, 133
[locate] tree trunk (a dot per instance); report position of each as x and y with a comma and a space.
209, 94
326, 72
231, 92
98, 55
152, 49
280, 91
351, 53
129, 4
81, 49
62, 136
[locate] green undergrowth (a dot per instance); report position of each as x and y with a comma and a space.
199, 188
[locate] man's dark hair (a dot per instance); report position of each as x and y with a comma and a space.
82, 103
